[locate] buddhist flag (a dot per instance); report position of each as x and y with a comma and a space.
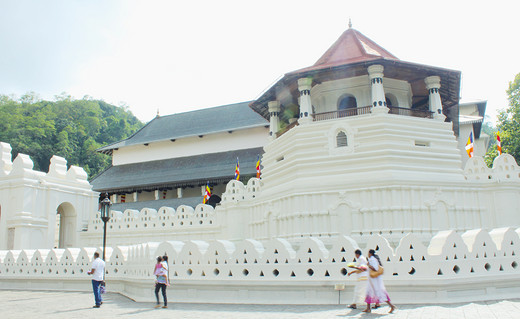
207, 194
469, 145
258, 167
499, 145
237, 171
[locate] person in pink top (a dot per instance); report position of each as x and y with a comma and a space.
161, 281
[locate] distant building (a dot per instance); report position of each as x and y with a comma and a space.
172, 158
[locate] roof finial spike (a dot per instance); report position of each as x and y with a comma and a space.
349, 23
158, 112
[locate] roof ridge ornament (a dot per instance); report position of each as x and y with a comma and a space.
349, 23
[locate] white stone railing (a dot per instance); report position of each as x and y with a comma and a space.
168, 218
485, 263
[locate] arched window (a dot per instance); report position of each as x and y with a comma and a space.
341, 139
347, 106
391, 103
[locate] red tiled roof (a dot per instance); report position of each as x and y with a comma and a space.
351, 47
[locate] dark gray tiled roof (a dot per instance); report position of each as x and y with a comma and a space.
201, 122
156, 204
177, 172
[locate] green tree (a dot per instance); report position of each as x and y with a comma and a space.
70, 128
508, 125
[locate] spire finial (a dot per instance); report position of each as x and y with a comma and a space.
158, 112
349, 23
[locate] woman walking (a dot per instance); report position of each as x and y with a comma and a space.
161, 280
376, 291
362, 279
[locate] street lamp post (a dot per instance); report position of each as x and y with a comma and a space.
105, 216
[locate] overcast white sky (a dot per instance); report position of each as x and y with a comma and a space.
177, 56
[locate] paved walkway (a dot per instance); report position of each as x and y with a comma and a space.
56, 305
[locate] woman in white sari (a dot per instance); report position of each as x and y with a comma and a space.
376, 291
362, 279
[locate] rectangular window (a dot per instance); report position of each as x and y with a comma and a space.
422, 143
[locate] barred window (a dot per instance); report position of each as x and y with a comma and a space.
341, 139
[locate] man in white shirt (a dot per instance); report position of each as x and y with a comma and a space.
97, 272
362, 280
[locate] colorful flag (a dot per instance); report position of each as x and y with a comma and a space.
499, 145
469, 145
237, 171
123, 198
207, 194
258, 167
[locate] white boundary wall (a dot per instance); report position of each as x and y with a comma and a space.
477, 265
31, 201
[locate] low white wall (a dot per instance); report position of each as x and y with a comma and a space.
474, 266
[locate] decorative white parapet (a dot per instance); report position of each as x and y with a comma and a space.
149, 223
58, 167
477, 265
23, 167
505, 169
5, 159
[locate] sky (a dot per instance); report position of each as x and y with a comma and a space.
176, 56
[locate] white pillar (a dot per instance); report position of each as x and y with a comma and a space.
202, 190
156, 194
304, 86
375, 73
274, 113
433, 84
135, 196
179, 192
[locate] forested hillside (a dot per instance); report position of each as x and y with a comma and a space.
70, 128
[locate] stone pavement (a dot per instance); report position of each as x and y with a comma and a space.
56, 305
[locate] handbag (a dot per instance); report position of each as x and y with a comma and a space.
379, 272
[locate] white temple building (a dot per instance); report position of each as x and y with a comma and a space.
359, 143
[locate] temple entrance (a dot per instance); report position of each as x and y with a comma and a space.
65, 235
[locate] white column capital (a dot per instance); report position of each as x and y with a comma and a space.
433, 82
375, 71
273, 106
304, 84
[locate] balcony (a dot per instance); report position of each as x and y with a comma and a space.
367, 109
359, 111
